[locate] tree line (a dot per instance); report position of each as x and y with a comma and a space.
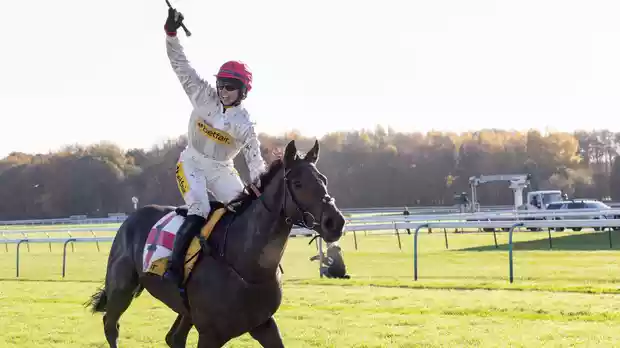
365, 168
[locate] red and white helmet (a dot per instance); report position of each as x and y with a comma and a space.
236, 70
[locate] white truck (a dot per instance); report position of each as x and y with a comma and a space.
539, 201
535, 200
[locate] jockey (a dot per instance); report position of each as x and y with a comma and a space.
219, 128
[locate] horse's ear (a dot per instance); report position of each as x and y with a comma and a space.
313, 155
290, 154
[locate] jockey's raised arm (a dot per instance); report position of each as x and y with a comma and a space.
198, 90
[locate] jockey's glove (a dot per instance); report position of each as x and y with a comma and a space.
173, 22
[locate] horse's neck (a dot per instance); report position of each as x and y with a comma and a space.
261, 235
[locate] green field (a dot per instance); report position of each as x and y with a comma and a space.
564, 297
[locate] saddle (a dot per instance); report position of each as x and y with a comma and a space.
159, 243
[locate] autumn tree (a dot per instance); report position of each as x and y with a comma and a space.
365, 168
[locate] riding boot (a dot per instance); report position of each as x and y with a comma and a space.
188, 230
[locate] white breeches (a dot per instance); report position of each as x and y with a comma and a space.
196, 175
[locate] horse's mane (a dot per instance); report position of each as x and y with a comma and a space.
247, 196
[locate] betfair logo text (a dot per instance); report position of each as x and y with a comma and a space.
215, 134
181, 179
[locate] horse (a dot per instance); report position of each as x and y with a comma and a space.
235, 284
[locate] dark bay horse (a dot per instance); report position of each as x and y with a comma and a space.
234, 287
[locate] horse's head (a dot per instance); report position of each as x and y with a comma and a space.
307, 202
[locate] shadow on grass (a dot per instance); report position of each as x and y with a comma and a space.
572, 242
504, 285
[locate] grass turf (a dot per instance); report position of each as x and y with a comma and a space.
563, 297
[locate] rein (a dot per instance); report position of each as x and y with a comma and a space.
302, 222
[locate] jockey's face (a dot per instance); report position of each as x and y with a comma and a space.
228, 97
228, 91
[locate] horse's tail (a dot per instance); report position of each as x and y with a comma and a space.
98, 301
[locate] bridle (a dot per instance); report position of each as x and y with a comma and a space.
306, 219
302, 222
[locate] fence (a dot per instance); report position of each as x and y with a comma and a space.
389, 211
118, 218
65, 241
511, 225
511, 220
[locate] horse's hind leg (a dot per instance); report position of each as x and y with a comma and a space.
170, 335
121, 284
207, 341
177, 336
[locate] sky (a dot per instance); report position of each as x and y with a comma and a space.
82, 71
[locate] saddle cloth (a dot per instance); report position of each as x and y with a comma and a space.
159, 243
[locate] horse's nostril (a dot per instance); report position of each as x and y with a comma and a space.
329, 223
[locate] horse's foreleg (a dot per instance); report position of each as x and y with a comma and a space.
177, 336
268, 334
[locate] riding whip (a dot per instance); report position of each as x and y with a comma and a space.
187, 32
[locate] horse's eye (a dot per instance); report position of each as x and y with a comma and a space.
297, 184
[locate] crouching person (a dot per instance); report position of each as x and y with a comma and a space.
333, 264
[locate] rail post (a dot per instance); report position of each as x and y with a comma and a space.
511, 267
64, 254
26, 239
96, 240
550, 242
17, 255
415, 250
71, 236
397, 236
50, 243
